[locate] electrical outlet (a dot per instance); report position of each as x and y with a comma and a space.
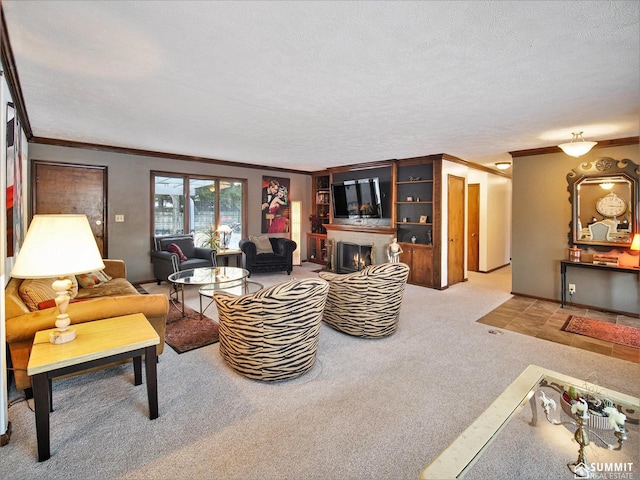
119, 218
572, 288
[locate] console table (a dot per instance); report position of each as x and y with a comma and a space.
611, 268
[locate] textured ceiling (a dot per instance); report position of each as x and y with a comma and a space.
308, 85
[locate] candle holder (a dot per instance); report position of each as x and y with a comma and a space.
575, 255
577, 407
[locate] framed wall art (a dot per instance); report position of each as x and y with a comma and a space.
275, 205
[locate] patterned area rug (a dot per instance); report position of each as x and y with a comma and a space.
189, 332
609, 332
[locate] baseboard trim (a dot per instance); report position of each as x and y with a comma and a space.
494, 269
579, 305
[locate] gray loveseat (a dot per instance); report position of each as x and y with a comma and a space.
166, 262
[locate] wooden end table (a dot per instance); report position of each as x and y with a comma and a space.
225, 253
97, 343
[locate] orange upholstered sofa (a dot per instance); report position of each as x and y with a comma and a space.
111, 298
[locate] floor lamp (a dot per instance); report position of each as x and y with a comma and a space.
296, 229
58, 246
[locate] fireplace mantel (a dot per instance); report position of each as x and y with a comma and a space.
385, 229
379, 236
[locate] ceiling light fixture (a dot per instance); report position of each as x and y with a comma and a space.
503, 165
577, 146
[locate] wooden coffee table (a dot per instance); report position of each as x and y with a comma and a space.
97, 343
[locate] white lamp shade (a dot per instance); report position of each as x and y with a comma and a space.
224, 229
57, 246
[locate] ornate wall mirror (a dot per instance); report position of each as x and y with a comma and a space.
604, 198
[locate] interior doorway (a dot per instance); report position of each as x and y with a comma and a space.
473, 227
455, 226
76, 189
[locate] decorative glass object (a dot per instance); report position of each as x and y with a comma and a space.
575, 254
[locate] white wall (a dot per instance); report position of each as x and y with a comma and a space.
6, 264
497, 223
4, 413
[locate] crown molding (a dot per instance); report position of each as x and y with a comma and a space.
156, 154
618, 142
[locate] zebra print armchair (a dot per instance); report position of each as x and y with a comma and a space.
366, 303
272, 334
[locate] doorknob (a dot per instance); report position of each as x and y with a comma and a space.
451, 240
98, 222
473, 234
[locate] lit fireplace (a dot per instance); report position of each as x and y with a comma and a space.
352, 257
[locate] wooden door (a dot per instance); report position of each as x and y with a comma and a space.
455, 214
77, 189
473, 228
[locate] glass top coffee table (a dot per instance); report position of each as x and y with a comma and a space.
217, 278
239, 287
459, 458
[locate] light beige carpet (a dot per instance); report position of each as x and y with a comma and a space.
368, 409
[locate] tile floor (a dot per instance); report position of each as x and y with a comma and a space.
545, 320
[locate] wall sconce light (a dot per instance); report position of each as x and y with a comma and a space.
296, 228
577, 146
503, 165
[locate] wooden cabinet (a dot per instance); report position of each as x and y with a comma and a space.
321, 201
417, 186
317, 248
420, 261
320, 216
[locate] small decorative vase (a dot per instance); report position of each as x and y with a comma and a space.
575, 254
413, 239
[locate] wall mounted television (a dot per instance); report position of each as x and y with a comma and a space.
356, 198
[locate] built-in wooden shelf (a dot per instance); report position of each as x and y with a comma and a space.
388, 229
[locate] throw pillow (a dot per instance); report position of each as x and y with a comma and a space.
173, 248
52, 303
91, 279
37, 290
263, 245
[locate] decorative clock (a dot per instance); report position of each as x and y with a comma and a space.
611, 205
